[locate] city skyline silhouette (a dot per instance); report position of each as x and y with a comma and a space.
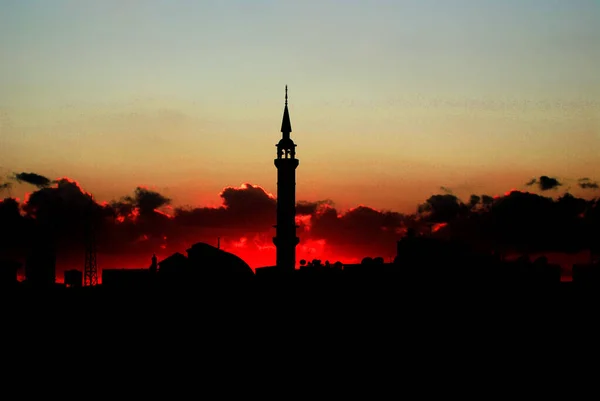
519, 225
138, 131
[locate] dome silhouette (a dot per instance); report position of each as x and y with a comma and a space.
215, 261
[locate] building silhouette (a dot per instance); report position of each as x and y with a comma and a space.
73, 278
214, 263
285, 239
40, 264
173, 268
90, 269
8, 273
126, 279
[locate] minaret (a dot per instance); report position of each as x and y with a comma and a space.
285, 239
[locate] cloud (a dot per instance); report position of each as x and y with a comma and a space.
474, 200
62, 203
131, 228
142, 223
586, 183
487, 200
310, 208
245, 207
361, 230
441, 208
545, 183
32, 178
5, 185
527, 222
145, 200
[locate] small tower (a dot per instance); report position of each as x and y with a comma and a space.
285, 239
90, 269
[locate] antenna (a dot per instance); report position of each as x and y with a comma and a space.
218, 242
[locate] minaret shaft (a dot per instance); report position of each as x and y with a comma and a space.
286, 163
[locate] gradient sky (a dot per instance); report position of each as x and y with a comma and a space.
389, 100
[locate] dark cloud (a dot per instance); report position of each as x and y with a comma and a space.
9, 210
310, 208
248, 204
545, 183
476, 204
589, 185
487, 200
526, 222
143, 223
441, 208
362, 230
59, 212
62, 203
586, 183
474, 200
5, 185
32, 178
145, 200
134, 225
245, 207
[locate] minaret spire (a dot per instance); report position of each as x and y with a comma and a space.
286, 125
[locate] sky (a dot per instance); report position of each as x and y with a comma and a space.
389, 100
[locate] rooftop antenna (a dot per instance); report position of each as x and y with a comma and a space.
218, 242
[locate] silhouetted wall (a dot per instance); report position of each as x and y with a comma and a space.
73, 278
8, 272
40, 266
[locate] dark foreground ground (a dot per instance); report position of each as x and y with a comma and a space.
316, 305
286, 339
